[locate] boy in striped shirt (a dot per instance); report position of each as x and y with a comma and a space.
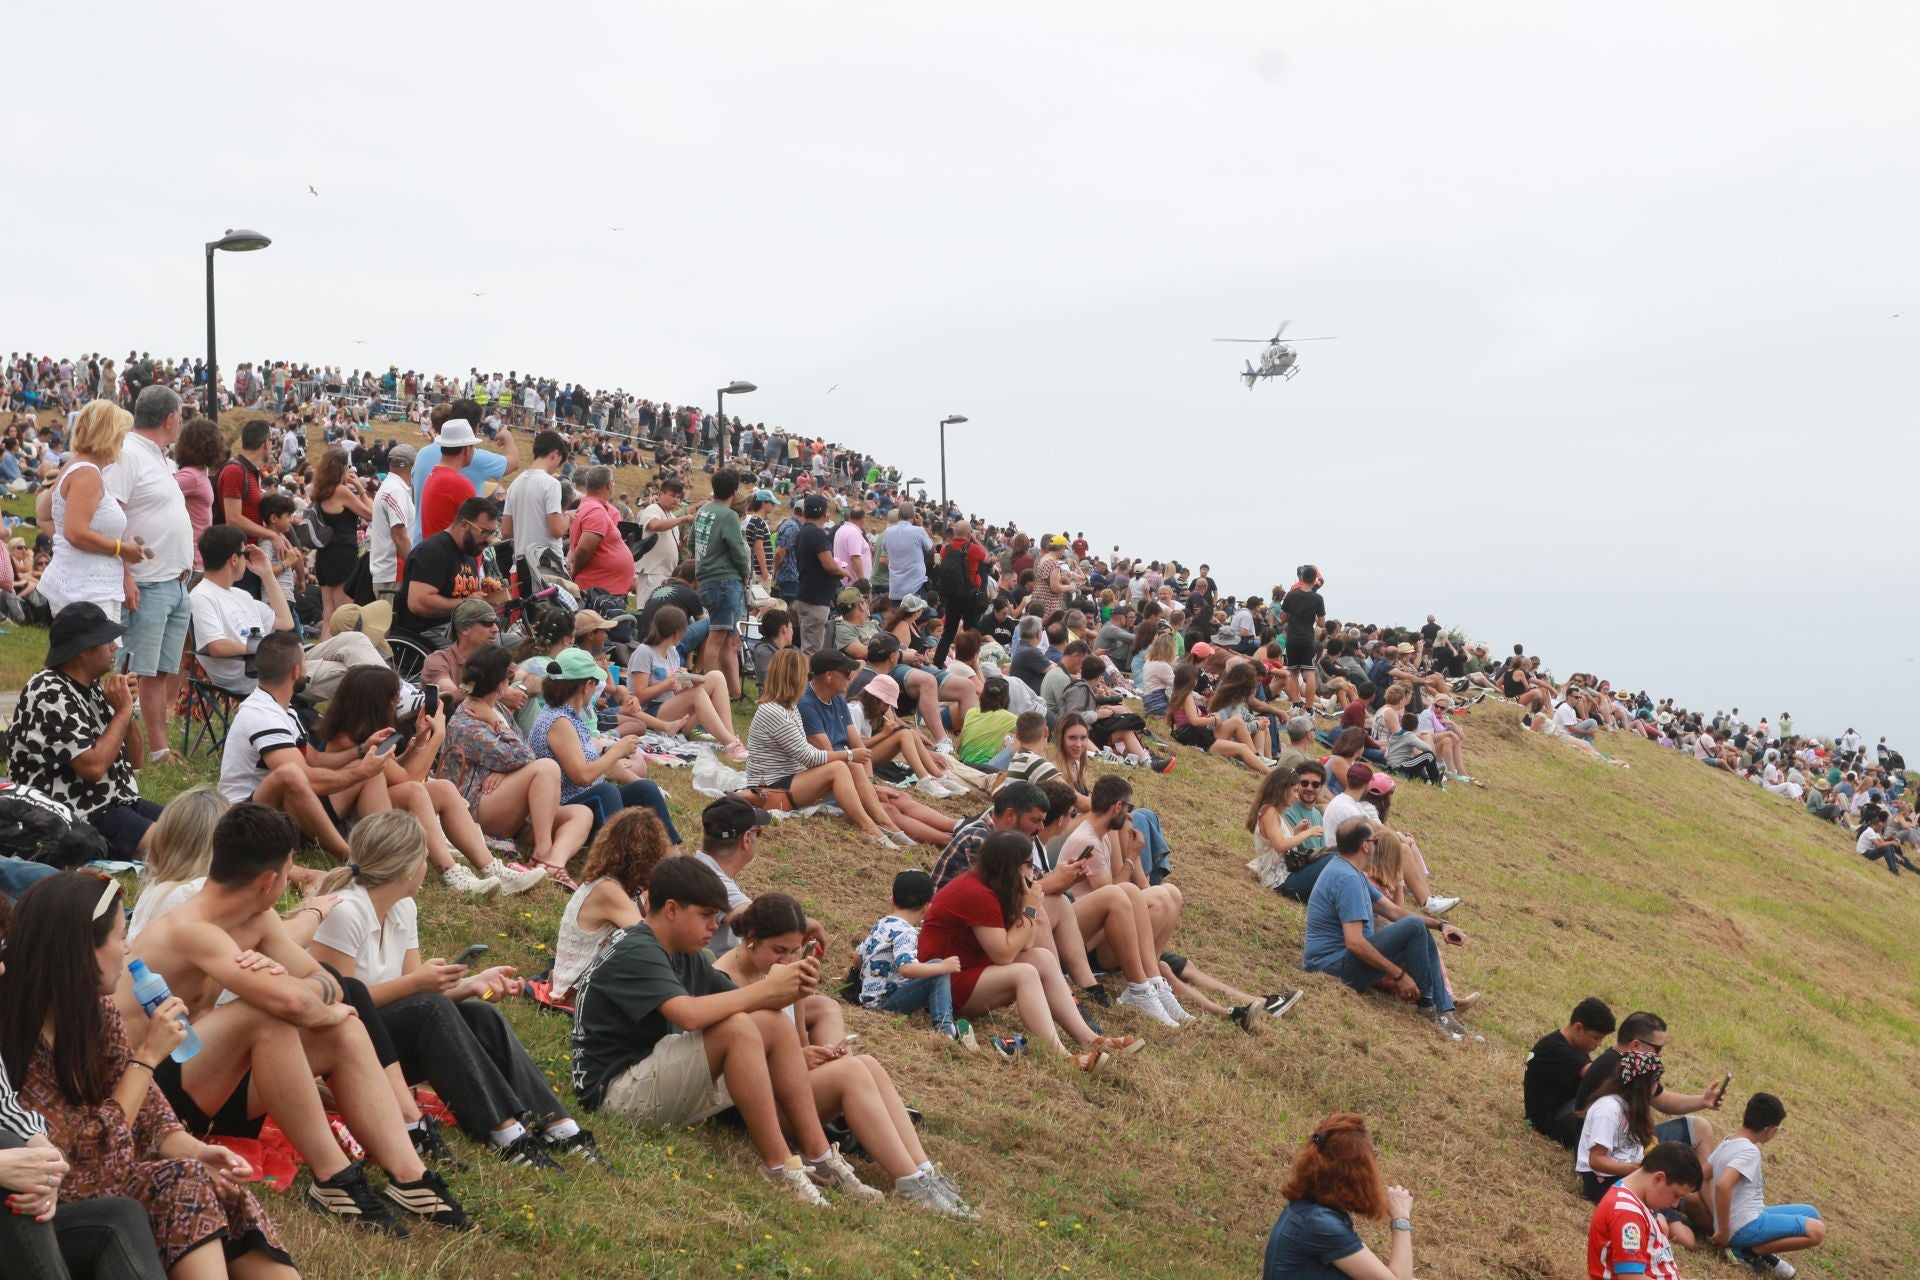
1626, 1240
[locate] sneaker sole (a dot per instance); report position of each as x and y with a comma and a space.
350, 1214
1287, 1005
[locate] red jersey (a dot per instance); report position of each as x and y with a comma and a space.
1625, 1239
440, 498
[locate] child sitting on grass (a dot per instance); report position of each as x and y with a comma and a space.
1748, 1228
892, 976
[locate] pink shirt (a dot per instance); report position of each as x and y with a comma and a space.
198, 488
850, 540
611, 566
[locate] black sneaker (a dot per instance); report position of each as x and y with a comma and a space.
1162, 765
428, 1198
433, 1149
580, 1143
1087, 1018
348, 1196
1282, 1003
1097, 994
528, 1151
1249, 1017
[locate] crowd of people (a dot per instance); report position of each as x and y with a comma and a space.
470, 651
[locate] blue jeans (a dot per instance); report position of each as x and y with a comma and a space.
1299, 884
999, 763
726, 604
934, 994
157, 630
607, 799
17, 875
696, 636
1409, 944
1153, 855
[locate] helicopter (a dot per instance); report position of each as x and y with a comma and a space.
1278, 360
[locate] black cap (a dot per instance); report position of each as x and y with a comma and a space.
730, 817
882, 645
813, 506
830, 660
912, 889
77, 628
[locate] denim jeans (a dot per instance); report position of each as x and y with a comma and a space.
607, 799
934, 994
1299, 884
17, 875
125, 825
1153, 855
1409, 944
104, 1239
471, 1057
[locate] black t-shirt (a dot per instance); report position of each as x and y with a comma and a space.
1302, 610
1605, 1066
1553, 1078
1030, 665
671, 592
817, 585
616, 1013
1452, 662
438, 562
1429, 632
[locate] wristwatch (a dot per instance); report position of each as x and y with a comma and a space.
1402, 1224
1032, 912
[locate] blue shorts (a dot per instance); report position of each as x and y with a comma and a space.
1777, 1222
157, 630
726, 604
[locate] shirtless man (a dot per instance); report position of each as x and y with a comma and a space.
260, 1053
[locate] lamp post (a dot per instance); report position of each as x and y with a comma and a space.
241, 241
951, 420
734, 388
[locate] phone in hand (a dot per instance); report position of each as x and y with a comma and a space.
429, 701
388, 747
1725, 1080
471, 954
814, 949
123, 661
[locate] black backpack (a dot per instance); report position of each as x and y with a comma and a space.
35, 826
954, 579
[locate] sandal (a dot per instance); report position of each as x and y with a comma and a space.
738, 751
1091, 1061
557, 873
1119, 1045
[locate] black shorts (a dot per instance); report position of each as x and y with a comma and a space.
343, 825
1197, 736
1301, 654
1174, 961
229, 1119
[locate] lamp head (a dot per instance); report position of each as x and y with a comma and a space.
240, 241
738, 388
953, 419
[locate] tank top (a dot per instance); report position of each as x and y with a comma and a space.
574, 948
74, 575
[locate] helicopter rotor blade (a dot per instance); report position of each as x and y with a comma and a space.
1324, 338
1266, 341
1282, 329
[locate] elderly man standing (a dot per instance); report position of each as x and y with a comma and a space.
389, 533
73, 735
852, 550
158, 610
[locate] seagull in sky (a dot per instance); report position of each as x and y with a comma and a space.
481, 294
830, 390
310, 190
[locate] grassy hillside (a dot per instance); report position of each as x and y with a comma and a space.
1773, 952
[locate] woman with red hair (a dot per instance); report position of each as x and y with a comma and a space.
1334, 1177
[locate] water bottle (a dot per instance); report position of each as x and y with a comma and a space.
150, 989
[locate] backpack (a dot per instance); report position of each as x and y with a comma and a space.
246, 468
954, 579
35, 826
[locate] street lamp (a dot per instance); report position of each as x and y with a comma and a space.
734, 388
951, 420
241, 241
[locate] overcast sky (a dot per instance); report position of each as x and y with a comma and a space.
1617, 373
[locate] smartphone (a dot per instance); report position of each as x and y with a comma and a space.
123, 661
389, 746
429, 700
472, 953
848, 1042
813, 950
1725, 1080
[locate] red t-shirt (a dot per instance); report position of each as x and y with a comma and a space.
1626, 1241
239, 480
440, 497
955, 911
610, 568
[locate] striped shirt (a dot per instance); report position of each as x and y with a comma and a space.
14, 1118
777, 746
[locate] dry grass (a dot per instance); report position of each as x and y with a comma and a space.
1771, 949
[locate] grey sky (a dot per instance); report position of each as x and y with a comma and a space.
1616, 373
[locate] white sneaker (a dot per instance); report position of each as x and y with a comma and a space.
512, 882
958, 1206
1169, 1001
955, 787
923, 1191
1435, 905
1143, 997
944, 746
461, 879
932, 786
793, 1176
833, 1172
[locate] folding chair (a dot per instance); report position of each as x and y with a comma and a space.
206, 708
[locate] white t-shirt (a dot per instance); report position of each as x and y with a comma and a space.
392, 505
142, 479
1342, 809
724, 938
531, 498
1749, 1198
1606, 1126
259, 725
227, 613
156, 900
660, 561
379, 948
1565, 716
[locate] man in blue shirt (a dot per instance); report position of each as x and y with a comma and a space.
823, 706
1402, 957
485, 465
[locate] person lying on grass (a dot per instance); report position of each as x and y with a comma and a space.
774, 931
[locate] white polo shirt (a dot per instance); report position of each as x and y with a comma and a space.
259, 725
142, 480
392, 504
531, 498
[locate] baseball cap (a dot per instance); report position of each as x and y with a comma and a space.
830, 660
912, 889
882, 646
1380, 784
1202, 650
730, 817
402, 455
812, 506
587, 620
848, 597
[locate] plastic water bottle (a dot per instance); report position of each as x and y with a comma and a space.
150, 989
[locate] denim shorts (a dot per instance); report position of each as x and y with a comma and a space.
157, 630
726, 604
1776, 1222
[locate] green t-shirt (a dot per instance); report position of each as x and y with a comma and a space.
719, 546
846, 633
616, 1015
981, 737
